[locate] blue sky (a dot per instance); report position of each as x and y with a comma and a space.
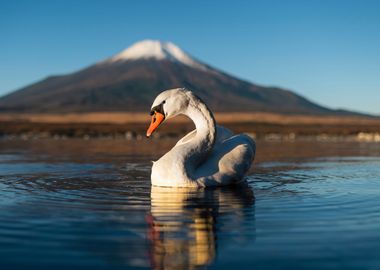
325, 50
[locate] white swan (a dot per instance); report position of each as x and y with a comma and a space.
210, 155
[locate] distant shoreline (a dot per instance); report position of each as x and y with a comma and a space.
221, 117
133, 125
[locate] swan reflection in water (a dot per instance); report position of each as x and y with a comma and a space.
184, 224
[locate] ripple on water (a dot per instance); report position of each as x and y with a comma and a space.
67, 214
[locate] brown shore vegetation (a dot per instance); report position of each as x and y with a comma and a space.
134, 124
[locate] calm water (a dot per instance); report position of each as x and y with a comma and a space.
89, 205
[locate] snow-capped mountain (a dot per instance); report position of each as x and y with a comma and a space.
131, 79
158, 50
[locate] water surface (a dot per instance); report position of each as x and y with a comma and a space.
80, 204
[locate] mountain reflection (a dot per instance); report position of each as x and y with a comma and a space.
184, 227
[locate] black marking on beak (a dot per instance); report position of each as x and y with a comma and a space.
158, 108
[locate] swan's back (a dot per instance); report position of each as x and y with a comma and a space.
228, 163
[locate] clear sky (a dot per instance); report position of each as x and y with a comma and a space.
325, 50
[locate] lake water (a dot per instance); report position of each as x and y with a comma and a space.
88, 204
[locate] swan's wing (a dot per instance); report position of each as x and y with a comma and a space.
222, 134
228, 163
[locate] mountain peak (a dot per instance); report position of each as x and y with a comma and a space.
155, 49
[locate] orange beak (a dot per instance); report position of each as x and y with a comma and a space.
157, 119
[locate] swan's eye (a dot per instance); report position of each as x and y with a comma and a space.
163, 102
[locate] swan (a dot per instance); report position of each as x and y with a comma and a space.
210, 155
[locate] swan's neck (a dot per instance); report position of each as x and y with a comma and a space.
196, 150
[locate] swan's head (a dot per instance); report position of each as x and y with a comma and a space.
168, 104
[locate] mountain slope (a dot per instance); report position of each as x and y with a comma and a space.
130, 80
